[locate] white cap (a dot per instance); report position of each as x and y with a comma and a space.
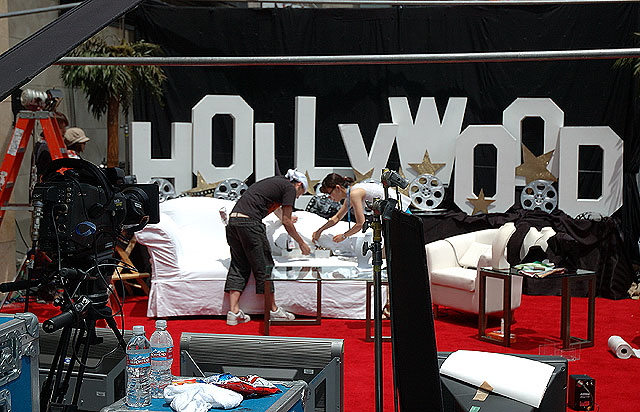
161, 323
138, 330
296, 176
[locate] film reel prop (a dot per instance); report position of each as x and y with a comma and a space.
539, 195
165, 188
426, 192
322, 205
230, 189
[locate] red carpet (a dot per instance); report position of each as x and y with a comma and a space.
538, 321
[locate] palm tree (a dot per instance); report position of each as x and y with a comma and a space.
108, 87
633, 62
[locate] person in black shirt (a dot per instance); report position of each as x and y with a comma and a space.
247, 239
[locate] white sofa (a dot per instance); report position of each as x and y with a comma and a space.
190, 258
453, 273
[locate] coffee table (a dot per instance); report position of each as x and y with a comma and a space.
310, 269
567, 278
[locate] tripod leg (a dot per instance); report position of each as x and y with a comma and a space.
91, 333
63, 388
57, 365
114, 326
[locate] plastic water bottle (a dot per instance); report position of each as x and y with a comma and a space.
161, 359
138, 369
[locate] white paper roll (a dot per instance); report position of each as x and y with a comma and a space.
621, 348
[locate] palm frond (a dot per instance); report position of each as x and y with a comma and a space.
629, 62
101, 83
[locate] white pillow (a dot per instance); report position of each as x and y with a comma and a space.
473, 253
535, 237
499, 246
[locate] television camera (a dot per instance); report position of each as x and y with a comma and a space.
80, 213
83, 212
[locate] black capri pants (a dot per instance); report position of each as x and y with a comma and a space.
250, 252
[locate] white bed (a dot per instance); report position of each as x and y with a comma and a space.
190, 258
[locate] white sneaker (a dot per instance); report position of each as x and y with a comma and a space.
236, 318
281, 314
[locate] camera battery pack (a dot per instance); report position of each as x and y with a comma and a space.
581, 393
19, 345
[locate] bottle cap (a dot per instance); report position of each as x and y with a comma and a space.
161, 323
138, 330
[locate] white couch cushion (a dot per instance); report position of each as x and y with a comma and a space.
455, 277
473, 253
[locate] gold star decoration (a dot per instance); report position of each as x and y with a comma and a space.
426, 167
535, 167
312, 184
202, 187
360, 177
480, 204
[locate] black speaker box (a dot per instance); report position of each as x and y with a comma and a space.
104, 381
582, 393
458, 396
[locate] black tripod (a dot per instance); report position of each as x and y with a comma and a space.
80, 316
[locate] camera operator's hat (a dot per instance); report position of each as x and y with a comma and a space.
75, 135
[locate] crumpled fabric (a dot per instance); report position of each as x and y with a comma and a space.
250, 385
634, 291
200, 397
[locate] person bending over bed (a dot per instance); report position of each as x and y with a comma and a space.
247, 239
341, 188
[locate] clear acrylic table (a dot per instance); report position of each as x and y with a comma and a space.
310, 269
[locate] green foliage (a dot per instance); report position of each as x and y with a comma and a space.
101, 83
633, 62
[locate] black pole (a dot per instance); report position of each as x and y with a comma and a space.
376, 261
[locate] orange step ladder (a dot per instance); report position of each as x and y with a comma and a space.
10, 167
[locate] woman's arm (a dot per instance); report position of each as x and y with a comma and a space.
330, 222
356, 199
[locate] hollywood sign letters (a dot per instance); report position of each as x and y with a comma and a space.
254, 148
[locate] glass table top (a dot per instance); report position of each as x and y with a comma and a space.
514, 271
334, 268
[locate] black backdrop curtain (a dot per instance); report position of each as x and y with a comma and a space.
590, 92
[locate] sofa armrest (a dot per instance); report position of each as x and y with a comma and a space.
441, 254
163, 244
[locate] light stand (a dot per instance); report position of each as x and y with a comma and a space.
376, 261
381, 211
